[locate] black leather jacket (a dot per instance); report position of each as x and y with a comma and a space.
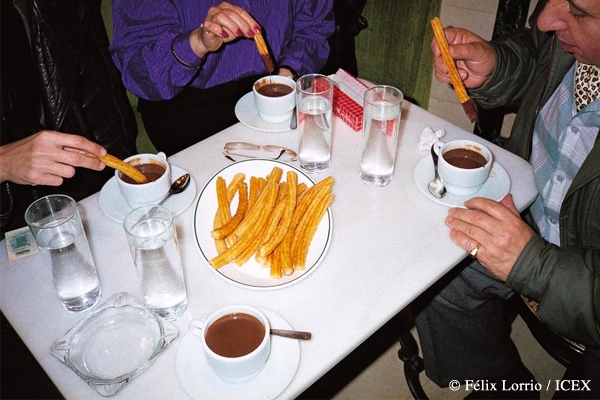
57, 74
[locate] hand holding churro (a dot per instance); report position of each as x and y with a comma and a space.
455, 78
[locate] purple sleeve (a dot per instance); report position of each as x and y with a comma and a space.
306, 48
146, 33
151, 43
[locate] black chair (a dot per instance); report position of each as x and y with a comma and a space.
563, 350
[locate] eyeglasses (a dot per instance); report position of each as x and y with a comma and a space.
250, 150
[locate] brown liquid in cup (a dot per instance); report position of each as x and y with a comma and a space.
464, 158
274, 90
151, 170
235, 335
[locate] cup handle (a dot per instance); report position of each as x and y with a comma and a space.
195, 326
162, 155
437, 146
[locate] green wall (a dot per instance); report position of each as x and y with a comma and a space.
394, 49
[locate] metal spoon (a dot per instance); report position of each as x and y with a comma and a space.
178, 186
291, 334
436, 187
294, 121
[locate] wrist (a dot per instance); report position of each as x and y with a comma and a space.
288, 71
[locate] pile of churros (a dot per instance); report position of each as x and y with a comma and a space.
274, 221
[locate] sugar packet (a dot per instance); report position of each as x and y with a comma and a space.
20, 243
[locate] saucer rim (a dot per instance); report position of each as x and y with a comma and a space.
176, 171
245, 108
422, 183
284, 350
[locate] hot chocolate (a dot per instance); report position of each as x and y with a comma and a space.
150, 170
235, 335
274, 89
464, 158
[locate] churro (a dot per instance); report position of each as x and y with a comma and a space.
459, 87
122, 166
264, 52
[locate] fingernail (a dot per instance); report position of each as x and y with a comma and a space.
224, 34
257, 29
239, 32
250, 33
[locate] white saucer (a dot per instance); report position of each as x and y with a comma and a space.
496, 187
114, 206
200, 382
246, 112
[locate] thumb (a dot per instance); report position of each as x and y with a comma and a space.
507, 202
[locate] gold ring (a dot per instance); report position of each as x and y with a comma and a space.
473, 253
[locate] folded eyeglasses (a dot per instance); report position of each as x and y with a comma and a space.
251, 150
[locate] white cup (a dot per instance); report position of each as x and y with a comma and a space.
270, 108
239, 368
140, 194
459, 179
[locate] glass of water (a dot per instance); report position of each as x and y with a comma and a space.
152, 239
56, 225
381, 123
314, 100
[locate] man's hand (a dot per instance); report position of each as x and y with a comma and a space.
475, 58
496, 227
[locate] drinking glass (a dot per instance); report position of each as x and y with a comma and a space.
314, 100
152, 239
381, 122
56, 226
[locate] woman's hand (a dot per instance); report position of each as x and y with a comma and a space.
223, 24
42, 159
495, 227
475, 58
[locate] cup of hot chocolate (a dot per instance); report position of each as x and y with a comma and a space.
236, 341
157, 170
463, 165
275, 98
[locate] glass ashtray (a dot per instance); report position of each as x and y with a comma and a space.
116, 343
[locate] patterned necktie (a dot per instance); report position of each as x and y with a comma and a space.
587, 85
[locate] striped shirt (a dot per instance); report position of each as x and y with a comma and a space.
562, 139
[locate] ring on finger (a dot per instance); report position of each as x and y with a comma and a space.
473, 253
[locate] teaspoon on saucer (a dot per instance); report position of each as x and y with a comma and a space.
291, 334
436, 187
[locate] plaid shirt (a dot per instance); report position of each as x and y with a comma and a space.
562, 140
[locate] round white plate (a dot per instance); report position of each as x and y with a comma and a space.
496, 187
246, 112
200, 382
114, 206
253, 275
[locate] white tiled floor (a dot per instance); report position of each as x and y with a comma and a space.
383, 378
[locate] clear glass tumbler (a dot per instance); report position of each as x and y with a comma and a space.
152, 239
381, 123
56, 225
314, 101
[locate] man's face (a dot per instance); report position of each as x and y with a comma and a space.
577, 27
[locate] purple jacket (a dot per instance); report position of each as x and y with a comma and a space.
144, 32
